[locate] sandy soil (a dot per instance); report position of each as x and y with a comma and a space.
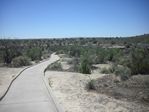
6, 76
69, 90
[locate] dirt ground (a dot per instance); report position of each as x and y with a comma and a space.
69, 90
6, 76
135, 89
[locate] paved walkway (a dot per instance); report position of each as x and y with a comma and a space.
28, 92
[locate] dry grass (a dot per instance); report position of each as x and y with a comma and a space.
134, 89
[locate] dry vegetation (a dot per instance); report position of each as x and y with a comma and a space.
73, 94
135, 89
124, 60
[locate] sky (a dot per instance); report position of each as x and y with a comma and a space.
73, 18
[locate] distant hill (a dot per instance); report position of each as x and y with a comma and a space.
139, 39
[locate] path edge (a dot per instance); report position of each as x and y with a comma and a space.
17, 77
12, 82
58, 106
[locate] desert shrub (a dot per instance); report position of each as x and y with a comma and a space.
93, 58
139, 61
20, 61
74, 51
100, 56
34, 53
123, 72
9, 50
55, 66
9, 53
90, 85
85, 66
113, 54
109, 54
136, 60
125, 61
104, 55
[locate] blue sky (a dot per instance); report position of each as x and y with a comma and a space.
73, 18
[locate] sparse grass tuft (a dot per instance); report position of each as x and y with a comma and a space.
90, 85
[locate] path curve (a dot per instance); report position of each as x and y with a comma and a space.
28, 93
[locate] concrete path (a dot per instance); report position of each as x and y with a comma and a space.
28, 92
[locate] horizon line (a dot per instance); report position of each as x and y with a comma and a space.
67, 37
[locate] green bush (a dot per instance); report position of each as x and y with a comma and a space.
34, 53
90, 85
20, 61
139, 61
85, 66
125, 61
75, 51
123, 72
100, 56
9, 53
103, 55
